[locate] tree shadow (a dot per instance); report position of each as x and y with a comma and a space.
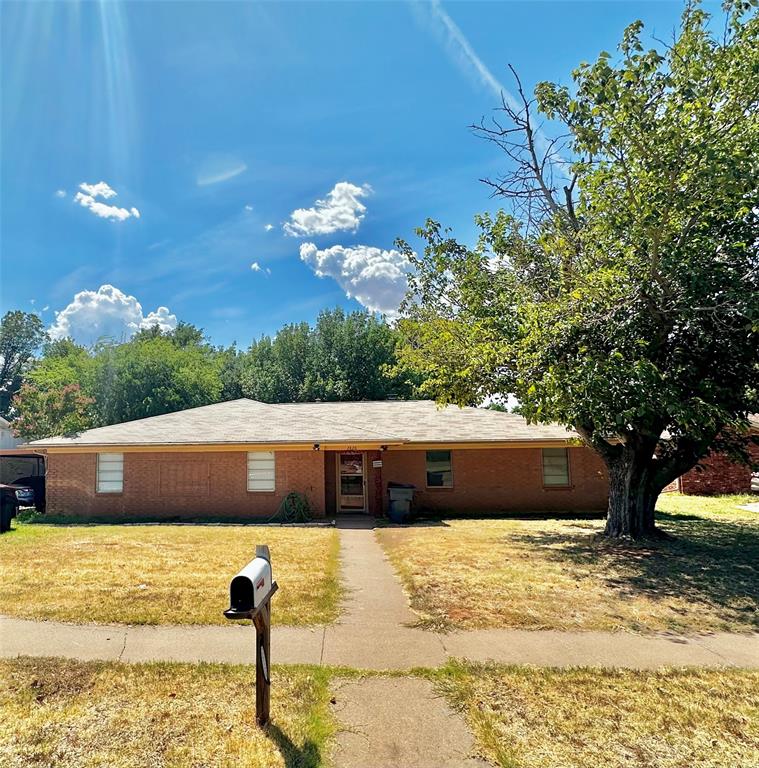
307, 755
710, 562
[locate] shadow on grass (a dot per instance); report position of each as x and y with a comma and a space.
306, 756
709, 562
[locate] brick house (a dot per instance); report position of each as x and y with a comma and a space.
239, 459
717, 474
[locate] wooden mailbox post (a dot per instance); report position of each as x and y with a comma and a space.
250, 594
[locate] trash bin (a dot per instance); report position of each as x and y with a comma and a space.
401, 495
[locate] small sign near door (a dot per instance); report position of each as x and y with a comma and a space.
377, 463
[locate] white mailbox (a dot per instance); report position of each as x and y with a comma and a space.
250, 598
251, 588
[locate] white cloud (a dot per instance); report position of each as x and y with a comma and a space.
248, 207
101, 189
161, 317
86, 198
465, 57
60, 193
256, 267
217, 168
269, 227
106, 313
376, 278
340, 211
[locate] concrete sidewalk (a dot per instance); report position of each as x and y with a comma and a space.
375, 647
374, 633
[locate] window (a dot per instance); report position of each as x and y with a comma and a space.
110, 473
439, 471
555, 466
261, 471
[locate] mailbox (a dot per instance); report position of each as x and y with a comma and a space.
250, 598
250, 589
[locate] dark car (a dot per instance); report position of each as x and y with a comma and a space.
17, 495
27, 470
11, 498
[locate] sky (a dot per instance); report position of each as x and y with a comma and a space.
241, 166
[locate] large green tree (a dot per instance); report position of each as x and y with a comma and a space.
72, 388
619, 293
151, 376
344, 356
57, 411
21, 335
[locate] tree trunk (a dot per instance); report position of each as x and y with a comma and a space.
633, 491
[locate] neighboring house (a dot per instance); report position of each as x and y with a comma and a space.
241, 458
7, 438
717, 474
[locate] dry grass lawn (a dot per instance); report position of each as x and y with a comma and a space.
162, 574
556, 574
67, 714
583, 718
57, 713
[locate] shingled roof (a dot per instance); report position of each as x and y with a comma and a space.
250, 422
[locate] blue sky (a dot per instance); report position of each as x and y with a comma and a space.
219, 126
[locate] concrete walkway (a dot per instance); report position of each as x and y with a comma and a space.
399, 721
373, 633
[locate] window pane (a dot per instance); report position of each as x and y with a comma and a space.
555, 466
110, 473
352, 485
111, 458
261, 471
351, 464
109, 486
439, 470
260, 485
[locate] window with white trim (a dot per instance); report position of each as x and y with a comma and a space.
261, 471
110, 475
555, 466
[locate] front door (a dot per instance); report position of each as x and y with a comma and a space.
351, 485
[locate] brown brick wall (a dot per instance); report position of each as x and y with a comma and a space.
170, 485
500, 480
718, 475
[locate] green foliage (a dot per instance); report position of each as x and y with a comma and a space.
148, 377
620, 293
59, 411
153, 373
21, 334
344, 357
